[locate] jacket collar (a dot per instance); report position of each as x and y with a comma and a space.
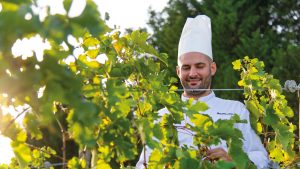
202, 99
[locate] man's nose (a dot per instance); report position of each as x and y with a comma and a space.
193, 72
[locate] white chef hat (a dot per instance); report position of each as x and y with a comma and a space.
196, 36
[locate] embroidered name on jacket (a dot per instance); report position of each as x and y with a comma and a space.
229, 114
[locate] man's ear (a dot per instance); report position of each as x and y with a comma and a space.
213, 68
178, 70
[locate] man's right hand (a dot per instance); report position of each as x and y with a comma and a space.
218, 153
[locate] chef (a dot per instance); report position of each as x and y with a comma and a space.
195, 70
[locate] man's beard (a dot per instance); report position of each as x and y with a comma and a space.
205, 84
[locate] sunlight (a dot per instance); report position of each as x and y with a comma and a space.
77, 8
5, 147
56, 7
6, 150
24, 48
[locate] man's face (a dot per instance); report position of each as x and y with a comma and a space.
195, 71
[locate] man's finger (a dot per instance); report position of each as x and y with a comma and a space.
218, 153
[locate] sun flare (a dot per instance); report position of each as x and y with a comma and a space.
6, 150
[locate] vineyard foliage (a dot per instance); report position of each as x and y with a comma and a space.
110, 94
268, 107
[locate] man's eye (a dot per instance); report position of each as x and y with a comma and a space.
185, 68
201, 66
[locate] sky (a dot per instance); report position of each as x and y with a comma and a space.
123, 14
129, 13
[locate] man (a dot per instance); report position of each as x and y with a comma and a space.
195, 70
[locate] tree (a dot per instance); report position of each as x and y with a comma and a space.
267, 30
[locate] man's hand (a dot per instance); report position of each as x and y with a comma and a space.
218, 153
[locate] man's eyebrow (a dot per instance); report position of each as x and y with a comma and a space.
200, 63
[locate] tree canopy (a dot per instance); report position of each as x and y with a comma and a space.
267, 30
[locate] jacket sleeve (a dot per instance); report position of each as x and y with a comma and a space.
252, 144
144, 157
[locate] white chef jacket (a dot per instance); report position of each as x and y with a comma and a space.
221, 109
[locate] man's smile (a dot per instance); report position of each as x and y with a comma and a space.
194, 83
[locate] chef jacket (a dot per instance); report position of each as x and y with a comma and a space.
220, 109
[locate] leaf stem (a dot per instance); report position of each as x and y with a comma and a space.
13, 120
38, 148
63, 134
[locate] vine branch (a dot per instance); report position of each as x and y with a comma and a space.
13, 120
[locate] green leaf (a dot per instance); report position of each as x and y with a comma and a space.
83, 135
90, 42
124, 106
157, 132
36, 154
30, 122
224, 164
53, 91
22, 153
93, 53
164, 58
200, 119
238, 155
275, 84
76, 163
237, 65
283, 135
254, 109
102, 164
138, 37
199, 106
277, 154
21, 137
67, 4
89, 64
154, 159
288, 111
8, 6
271, 118
188, 162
